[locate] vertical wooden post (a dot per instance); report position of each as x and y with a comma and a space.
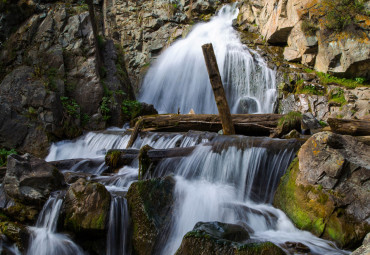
218, 89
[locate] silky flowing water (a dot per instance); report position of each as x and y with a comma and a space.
179, 78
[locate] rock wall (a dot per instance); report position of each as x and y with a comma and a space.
50, 86
326, 189
281, 22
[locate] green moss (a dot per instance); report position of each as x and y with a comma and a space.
337, 96
292, 198
4, 153
113, 158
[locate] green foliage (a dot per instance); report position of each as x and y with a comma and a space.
104, 108
85, 118
337, 96
323, 123
309, 28
290, 121
4, 153
339, 14
360, 80
131, 109
309, 89
71, 107
348, 83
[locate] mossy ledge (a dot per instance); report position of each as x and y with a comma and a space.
313, 209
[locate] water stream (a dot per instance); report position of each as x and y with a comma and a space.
179, 78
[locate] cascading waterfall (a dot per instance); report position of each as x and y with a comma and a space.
236, 185
44, 239
179, 78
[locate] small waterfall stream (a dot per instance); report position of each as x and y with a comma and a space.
44, 239
179, 78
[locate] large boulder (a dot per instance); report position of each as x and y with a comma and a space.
326, 189
86, 209
150, 203
344, 55
364, 248
221, 238
30, 180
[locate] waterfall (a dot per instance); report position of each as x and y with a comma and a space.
44, 240
235, 185
179, 78
117, 239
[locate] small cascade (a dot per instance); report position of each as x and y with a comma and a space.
179, 78
236, 185
118, 235
44, 239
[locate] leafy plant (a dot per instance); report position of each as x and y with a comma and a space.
323, 123
339, 14
104, 108
309, 28
85, 118
360, 80
4, 153
71, 107
131, 109
337, 96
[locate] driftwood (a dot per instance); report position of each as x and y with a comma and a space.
350, 127
218, 89
245, 124
118, 158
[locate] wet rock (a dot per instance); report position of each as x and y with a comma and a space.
22, 213
30, 180
221, 238
364, 248
326, 189
86, 209
15, 233
150, 203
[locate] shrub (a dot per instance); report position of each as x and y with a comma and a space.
337, 96
71, 107
104, 108
339, 14
308, 28
4, 153
131, 109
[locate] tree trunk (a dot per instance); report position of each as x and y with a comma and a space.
218, 90
350, 127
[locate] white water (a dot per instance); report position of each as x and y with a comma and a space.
44, 240
179, 78
236, 186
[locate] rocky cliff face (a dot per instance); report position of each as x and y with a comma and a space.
50, 86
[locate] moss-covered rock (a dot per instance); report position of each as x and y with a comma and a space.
22, 213
86, 208
223, 239
15, 232
145, 164
150, 203
326, 189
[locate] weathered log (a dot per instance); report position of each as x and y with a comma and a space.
118, 158
218, 89
245, 124
350, 127
135, 132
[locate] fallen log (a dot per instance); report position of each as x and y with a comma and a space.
350, 127
118, 158
245, 124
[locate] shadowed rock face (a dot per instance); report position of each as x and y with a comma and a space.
326, 189
30, 180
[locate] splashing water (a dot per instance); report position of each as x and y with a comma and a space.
179, 78
44, 239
